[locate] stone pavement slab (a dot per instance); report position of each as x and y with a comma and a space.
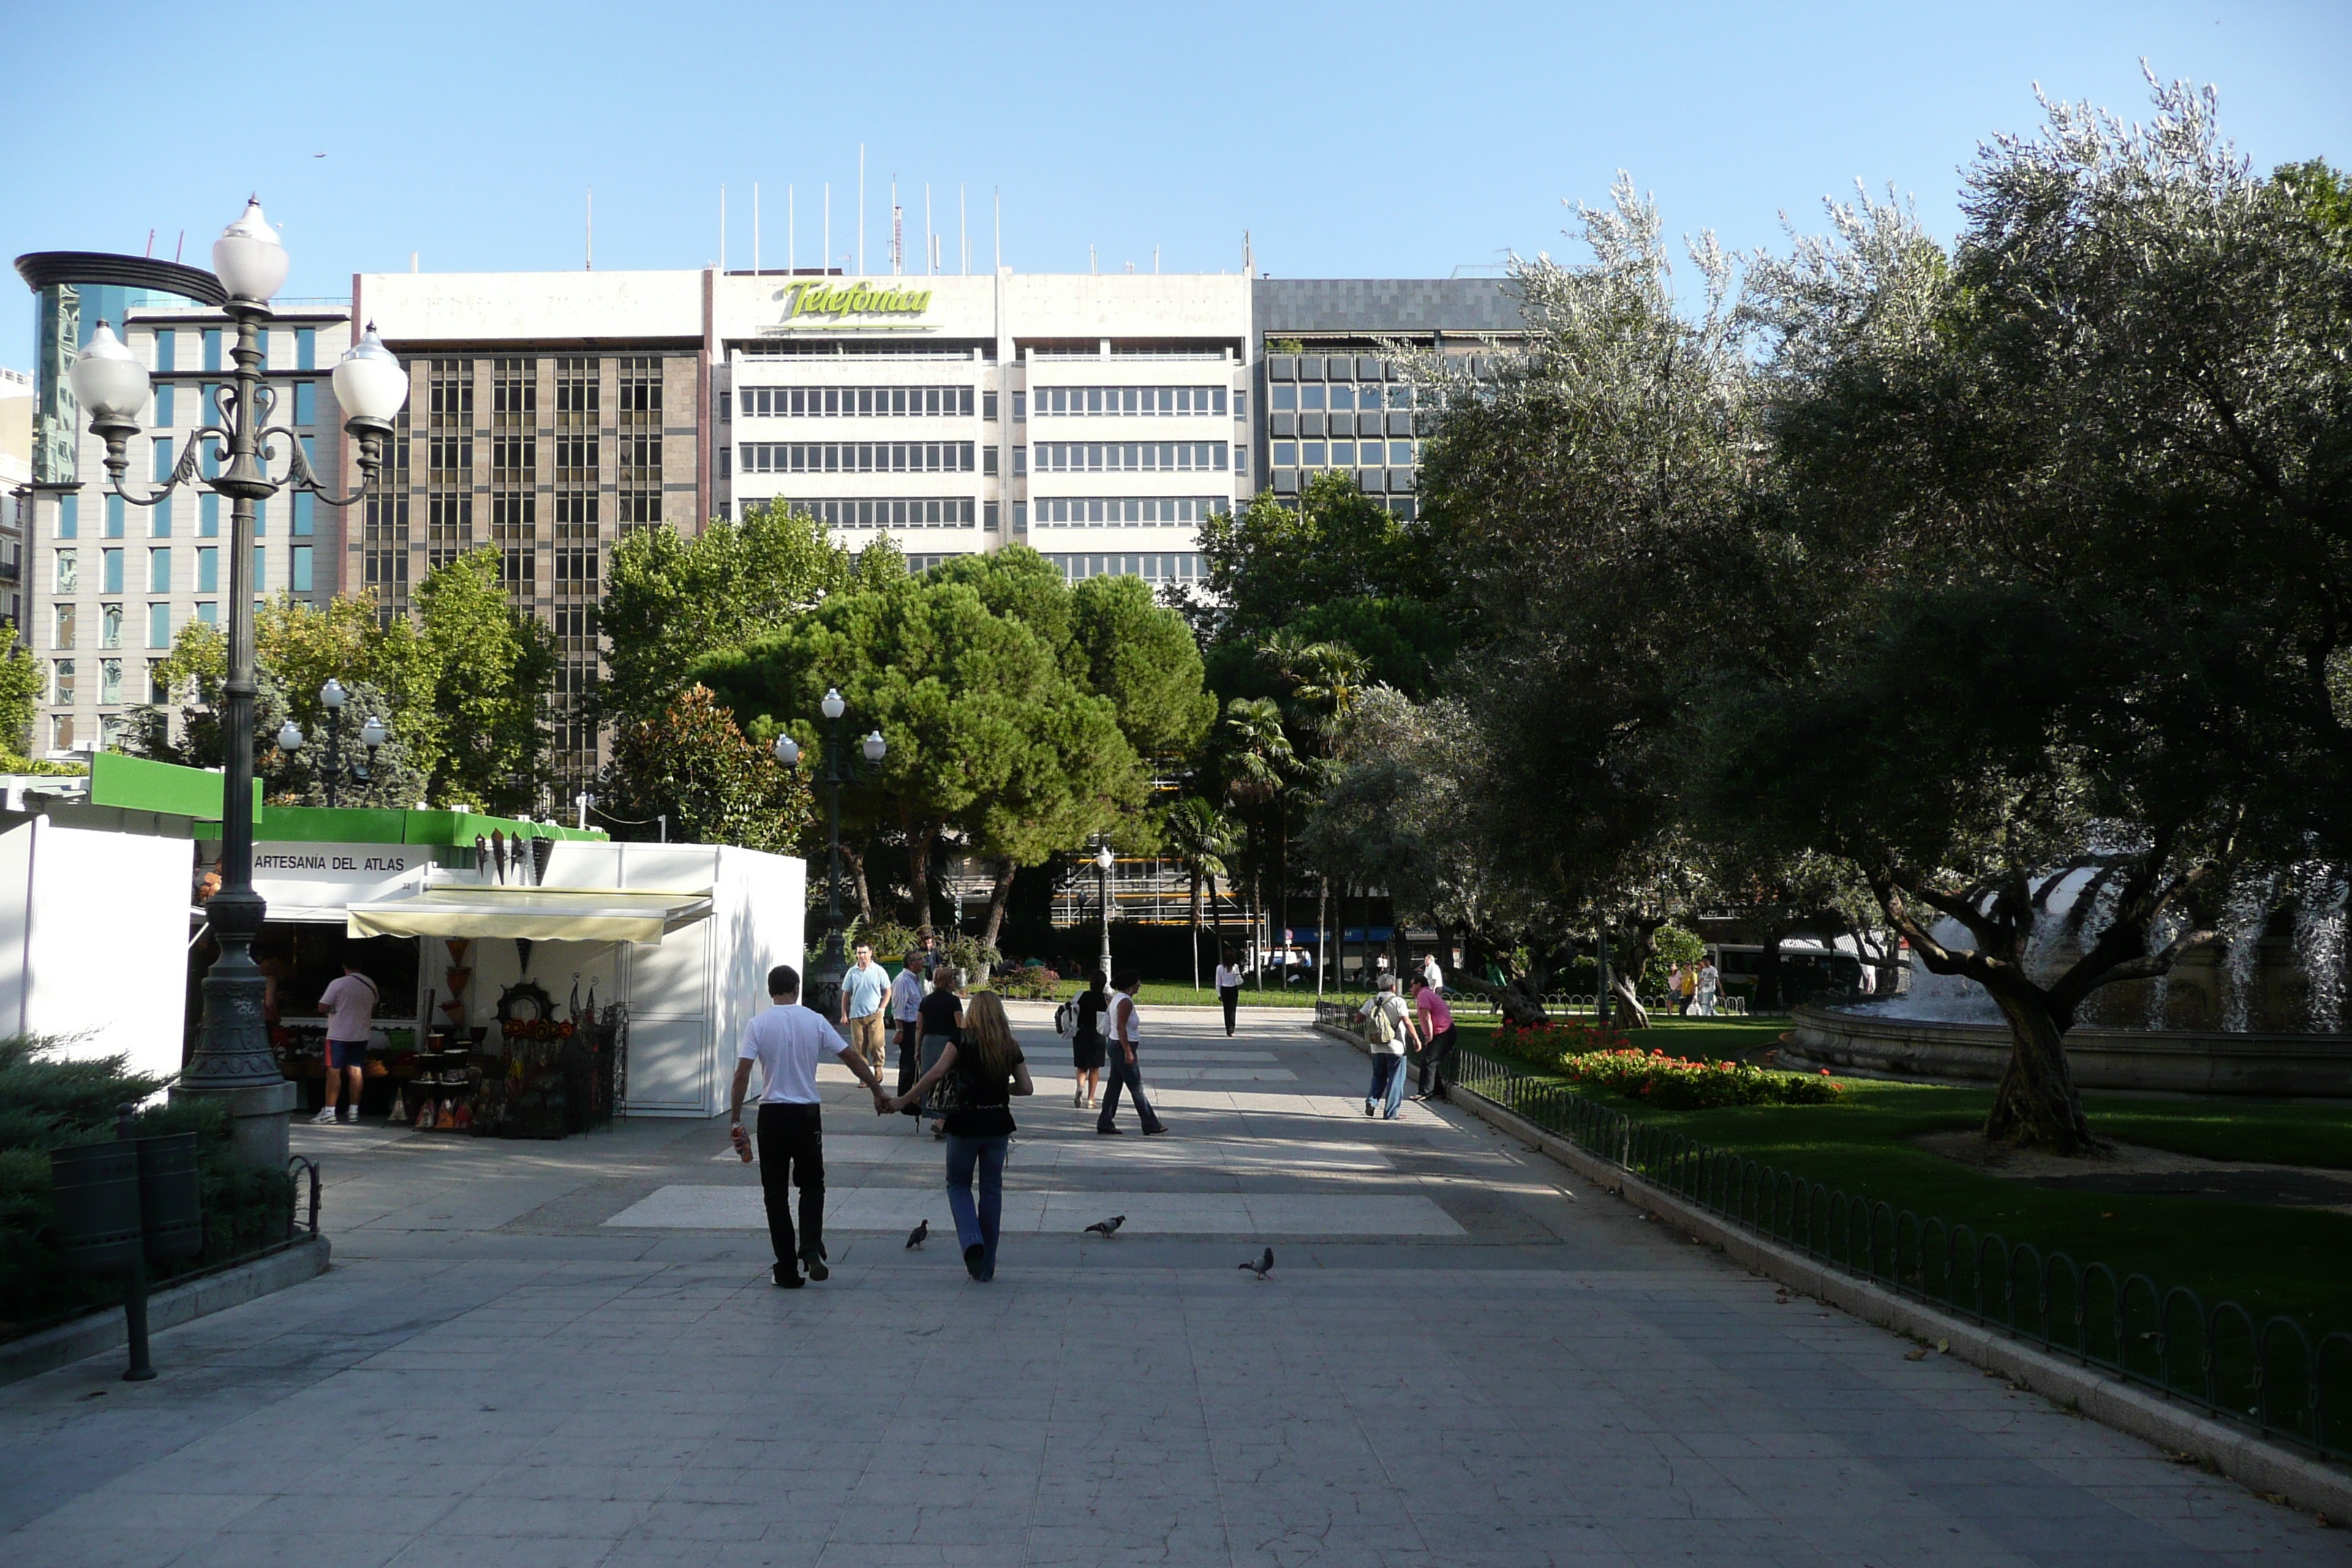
517, 1361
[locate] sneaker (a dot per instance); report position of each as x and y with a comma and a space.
783, 1277
326, 1114
816, 1268
974, 1260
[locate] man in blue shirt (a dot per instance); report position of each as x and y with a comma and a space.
864, 991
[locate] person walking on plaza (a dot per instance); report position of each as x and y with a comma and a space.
349, 1003
1086, 1041
1126, 1035
786, 1041
988, 1070
1388, 1025
865, 989
940, 1021
1437, 1039
906, 1006
1229, 988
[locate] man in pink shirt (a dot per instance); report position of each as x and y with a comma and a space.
348, 1003
1437, 1029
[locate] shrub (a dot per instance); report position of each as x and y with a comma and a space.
1673, 1083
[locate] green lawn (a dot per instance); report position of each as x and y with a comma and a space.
2272, 1258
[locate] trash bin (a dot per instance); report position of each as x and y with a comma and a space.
96, 1192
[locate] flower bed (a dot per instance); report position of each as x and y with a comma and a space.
1672, 1083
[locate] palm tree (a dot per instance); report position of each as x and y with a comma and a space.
1199, 835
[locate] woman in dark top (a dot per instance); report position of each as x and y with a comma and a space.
939, 1025
1086, 1040
989, 1071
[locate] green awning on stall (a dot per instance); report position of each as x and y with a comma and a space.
537, 914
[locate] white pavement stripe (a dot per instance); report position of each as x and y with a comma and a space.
686, 1207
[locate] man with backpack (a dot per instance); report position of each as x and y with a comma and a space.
1388, 1026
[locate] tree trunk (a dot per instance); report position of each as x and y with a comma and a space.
997, 896
2036, 1106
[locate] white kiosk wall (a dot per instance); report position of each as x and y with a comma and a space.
689, 997
94, 940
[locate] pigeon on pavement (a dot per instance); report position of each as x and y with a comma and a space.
1262, 1266
1108, 1227
915, 1236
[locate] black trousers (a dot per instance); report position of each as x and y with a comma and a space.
1231, 996
792, 1152
1434, 1061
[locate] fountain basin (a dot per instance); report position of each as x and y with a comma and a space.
2180, 1061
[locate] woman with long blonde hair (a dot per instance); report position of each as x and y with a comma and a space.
982, 1072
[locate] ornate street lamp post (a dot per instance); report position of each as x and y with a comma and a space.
822, 989
372, 735
1104, 861
232, 1060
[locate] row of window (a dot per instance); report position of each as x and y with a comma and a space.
215, 347
1050, 511
112, 571
1342, 454
858, 456
1123, 400
1130, 457
161, 517
821, 402
1280, 397
891, 512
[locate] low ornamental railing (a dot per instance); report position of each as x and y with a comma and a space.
2269, 1375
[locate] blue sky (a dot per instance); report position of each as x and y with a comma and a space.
1366, 139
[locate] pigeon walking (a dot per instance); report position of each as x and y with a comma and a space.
915, 1236
1262, 1266
1108, 1227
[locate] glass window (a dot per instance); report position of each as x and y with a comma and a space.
159, 626
1345, 397
301, 569
208, 515
306, 403
1311, 454
164, 403
109, 570
110, 680
208, 570
159, 571
1343, 453
69, 517
167, 349
1285, 454
1285, 398
1310, 397
61, 682
69, 576
208, 613
109, 625
212, 348
114, 517
305, 350
68, 626
1401, 453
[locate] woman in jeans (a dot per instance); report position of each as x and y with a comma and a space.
988, 1072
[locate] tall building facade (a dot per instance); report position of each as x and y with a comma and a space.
107, 585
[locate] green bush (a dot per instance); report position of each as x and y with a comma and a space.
46, 1103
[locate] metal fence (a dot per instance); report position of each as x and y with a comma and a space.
2266, 1373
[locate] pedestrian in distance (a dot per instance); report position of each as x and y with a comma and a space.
1086, 1045
1436, 1020
348, 1003
1125, 1037
864, 991
1388, 1026
905, 1011
1229, 988
940, 1021
986, 1067
786, 1041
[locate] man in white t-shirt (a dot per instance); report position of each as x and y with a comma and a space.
786, 1041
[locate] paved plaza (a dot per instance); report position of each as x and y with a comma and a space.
568, 1355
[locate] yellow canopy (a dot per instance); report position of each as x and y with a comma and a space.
541, 914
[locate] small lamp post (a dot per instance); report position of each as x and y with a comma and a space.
822, 989
1104, 861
